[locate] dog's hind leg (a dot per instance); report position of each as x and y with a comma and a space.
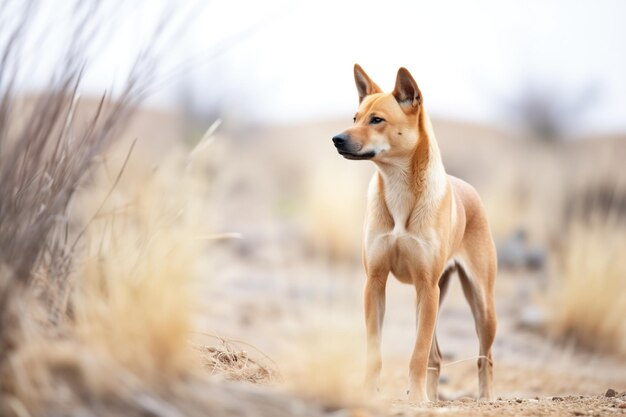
434, 358
479, 295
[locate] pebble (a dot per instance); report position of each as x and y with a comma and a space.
610, 393
557, 399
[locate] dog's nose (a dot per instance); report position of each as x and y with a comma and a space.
340, 139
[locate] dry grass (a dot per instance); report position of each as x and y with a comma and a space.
133, 308
117, 315
45, 153
135, 298
65, 378
590, 285
126, 350
234, 364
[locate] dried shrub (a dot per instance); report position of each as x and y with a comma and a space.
234, 364
589, 306
44, 155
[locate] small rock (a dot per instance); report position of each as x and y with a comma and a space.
610, 393
578, 413
622, 405
517, 400
466, 400
557, 398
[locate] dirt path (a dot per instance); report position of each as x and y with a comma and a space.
318, 313
600, 405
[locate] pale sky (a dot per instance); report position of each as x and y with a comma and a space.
289, 61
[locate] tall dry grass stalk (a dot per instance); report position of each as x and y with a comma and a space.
589, 303
127, 321
44, 154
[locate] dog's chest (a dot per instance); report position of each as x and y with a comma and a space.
406, 248
401, 234
407, 253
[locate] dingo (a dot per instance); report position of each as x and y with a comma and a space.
421, 225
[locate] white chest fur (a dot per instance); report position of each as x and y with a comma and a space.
412, 240
399, 197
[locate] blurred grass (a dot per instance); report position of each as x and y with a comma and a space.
136, 297
125, 348
589, 285
97, 277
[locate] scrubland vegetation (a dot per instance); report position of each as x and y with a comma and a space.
210, 275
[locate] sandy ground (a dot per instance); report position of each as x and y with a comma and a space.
278, 310
303, 309
598, 405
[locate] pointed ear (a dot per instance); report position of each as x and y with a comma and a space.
364, 84
406, 92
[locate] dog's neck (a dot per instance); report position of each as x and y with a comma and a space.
417, 181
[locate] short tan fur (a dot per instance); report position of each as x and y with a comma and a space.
421, 225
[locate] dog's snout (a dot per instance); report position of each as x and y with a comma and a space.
340, 139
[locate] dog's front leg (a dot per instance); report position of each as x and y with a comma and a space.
427, 307
374, 315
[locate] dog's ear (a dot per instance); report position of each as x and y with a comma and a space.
364, 84
406, 92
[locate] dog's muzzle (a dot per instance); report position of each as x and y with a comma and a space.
349, 149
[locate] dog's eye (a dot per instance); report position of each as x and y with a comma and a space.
376, 120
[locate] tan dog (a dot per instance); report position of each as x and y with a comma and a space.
421, 225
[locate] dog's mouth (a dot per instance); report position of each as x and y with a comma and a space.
351, 150
357, 156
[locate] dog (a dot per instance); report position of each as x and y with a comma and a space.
421, 225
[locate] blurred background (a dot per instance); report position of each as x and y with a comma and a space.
528, 102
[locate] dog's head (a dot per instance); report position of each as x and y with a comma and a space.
385, 125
